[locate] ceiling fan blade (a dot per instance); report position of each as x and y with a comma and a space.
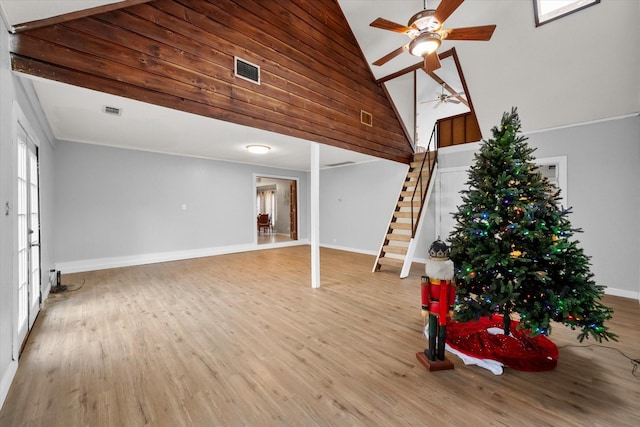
482, 33
431, 62
446, 8
389, 56
385, 24
453, 101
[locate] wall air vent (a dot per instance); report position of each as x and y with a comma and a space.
114, 111
366, 118
246, 70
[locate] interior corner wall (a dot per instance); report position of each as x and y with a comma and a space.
7, 365
15, 97
119, 207
356, 204
603, 174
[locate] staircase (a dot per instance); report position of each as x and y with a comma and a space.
399, 244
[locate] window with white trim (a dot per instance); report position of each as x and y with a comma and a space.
550, 10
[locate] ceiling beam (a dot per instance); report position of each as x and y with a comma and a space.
75, 15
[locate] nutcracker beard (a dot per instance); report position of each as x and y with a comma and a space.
438, 296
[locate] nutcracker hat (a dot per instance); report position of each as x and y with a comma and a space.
439, 250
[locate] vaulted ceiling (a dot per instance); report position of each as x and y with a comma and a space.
549, 72
314, 82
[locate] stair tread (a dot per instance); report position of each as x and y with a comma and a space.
421, 155
400, 225
400, 250
425, 172
391, 262
399, 214
399, 237
418, 163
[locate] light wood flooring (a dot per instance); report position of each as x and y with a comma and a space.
266, 238
243, 340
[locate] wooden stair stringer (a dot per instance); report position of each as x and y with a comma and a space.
395, 261
398, 247
408, 259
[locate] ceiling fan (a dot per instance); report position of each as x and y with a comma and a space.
444, 98
426, 33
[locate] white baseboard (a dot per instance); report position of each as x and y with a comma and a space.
347, 249
7, 379
622, 293
154, 258
128, 261
366, 252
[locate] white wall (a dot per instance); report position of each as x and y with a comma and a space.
603, 161
14, 97
580, 68
123, 207
356, 204
7, 243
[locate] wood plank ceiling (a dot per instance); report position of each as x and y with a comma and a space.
180, 54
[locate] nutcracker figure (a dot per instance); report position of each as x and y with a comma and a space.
438, 296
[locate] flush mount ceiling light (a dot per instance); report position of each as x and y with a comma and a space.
425, 44
258, 149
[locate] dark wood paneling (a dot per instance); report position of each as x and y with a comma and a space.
460, 129
445, 133
179, 54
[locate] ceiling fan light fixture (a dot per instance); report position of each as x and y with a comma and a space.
258, 149
425, 44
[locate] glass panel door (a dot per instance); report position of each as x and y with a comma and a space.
34, 236
23, 243
28, 222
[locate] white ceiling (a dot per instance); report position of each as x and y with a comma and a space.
549, 72
76, 114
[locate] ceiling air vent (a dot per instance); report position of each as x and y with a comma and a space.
333, 165
114, 111
246, 70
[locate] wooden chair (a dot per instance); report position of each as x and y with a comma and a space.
264, 222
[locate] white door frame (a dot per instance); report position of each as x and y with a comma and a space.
27, 277
255, 207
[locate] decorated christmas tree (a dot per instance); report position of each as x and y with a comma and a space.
513, 249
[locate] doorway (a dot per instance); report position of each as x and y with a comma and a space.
28, 231
276, 209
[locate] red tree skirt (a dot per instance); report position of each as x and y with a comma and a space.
518, 350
